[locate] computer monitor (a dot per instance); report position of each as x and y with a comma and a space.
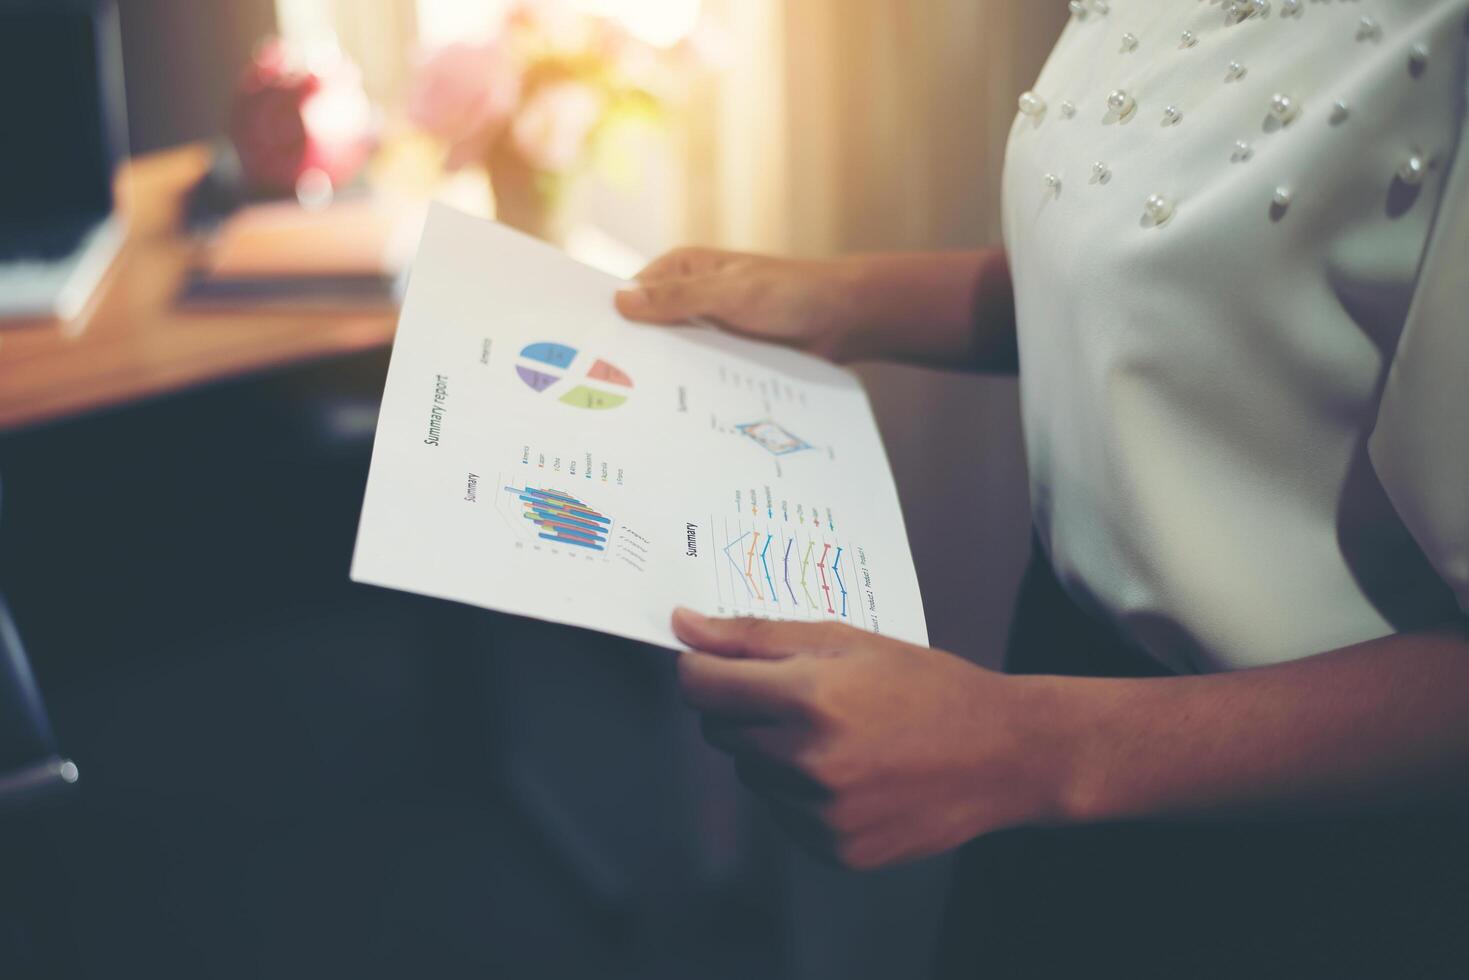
61, 107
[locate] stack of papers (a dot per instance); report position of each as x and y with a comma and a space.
282, 255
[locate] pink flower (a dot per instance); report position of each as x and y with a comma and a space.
552, 127
463, 94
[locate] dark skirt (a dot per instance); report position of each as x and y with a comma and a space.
1381, 897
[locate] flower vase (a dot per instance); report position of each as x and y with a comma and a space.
522, 198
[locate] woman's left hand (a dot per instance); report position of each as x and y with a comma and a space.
868, 750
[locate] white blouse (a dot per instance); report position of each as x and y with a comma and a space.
1239, 233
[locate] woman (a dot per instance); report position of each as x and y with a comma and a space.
1233, 737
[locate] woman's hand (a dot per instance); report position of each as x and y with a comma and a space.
950, 308
870, 751
873, 751
807, 304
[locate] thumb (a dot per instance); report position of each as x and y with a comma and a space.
757, 639
672, 301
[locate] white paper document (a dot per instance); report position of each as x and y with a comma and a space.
539, 455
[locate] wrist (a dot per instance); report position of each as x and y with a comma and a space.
862, 330
1065, 748
944, 308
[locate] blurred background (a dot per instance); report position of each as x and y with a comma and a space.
281, 773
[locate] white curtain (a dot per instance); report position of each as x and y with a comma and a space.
863, 124
377, 34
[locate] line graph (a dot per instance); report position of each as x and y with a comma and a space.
766, 565
836, 567
750, 567
789, 544
825, 585
806, 570
735, 564
783, 573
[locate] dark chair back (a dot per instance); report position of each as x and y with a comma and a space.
31, 767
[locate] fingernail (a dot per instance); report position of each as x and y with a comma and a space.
632, 300
684, 614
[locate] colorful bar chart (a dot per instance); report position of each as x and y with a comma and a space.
562, 518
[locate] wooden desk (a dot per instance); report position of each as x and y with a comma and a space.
135, 343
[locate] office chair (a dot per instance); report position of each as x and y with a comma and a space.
31, 766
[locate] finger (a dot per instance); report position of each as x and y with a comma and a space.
740, 689
674, 301
760, 639
805, 828
772, 742
680, 263
779, 783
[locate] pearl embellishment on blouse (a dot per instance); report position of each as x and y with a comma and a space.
1240, 10
1284, 108
1413, 170
1158, 209
1121, 104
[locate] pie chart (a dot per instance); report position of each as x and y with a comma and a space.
573, 377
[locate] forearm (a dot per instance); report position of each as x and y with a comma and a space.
1378, 724
953, 309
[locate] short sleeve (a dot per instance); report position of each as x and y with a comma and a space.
1420, 444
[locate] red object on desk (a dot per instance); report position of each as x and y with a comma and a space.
290, 121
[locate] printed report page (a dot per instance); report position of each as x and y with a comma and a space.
537, 454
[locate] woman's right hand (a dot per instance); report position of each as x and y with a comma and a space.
953, 309
805, 303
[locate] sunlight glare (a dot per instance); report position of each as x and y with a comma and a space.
661, 23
